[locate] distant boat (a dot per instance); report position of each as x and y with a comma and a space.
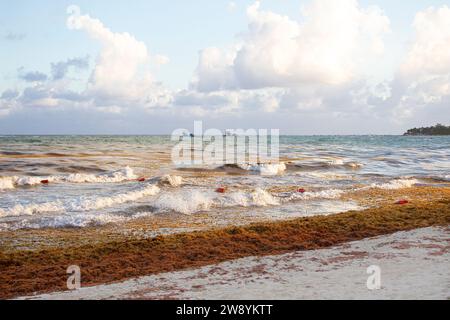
185, 134
230, 133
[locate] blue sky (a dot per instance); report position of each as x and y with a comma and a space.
33, 35
178, 29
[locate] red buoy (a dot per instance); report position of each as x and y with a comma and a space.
44, 181
301, 190
141, 179
220, 190
402, 201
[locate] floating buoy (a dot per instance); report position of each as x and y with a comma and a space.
220, 190
141, 179
301, 190
402, 201
44, 181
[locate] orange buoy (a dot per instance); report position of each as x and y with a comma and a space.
141, 179
301, 190
403, 201
44, 181
220, 190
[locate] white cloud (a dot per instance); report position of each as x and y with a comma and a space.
231, 102
121, 75
430, 51
329, 46
119, 59
120, 78
423, 79
279, 64
214, 71
311, 72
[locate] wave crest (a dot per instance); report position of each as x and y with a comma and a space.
79, 204
396, 184
121, 175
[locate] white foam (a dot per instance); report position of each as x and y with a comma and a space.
181, 201
174, 181
110, 177
323, 194
186, 201
331, 162
105, 202
79, 204
191, 201
396, 184
259, 198
325, 175
12, 182
267, 169
114, 176
33, 208
336, 162
73, 220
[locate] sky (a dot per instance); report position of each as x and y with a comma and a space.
150, 67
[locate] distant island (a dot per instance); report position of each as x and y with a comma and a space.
437, 130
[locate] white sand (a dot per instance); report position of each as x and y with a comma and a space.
414, 265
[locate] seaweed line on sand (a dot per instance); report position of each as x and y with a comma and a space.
26, 272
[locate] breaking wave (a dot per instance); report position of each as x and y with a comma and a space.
324, 164
173, 181
79, 220
266, 169
396, 184
191, 201
109, 177
323, 194
80, 204
185, 202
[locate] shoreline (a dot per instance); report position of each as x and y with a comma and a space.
166, 224
413, 265
26, 272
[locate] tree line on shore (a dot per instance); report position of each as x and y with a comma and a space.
437, 130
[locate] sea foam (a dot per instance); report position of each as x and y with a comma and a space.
268, 169
174, 181
323, 194
109, 177
79, 204
191, 201
396, 184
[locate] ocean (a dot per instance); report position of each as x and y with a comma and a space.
82, 181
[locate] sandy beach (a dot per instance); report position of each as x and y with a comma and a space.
112, 256
414, 265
